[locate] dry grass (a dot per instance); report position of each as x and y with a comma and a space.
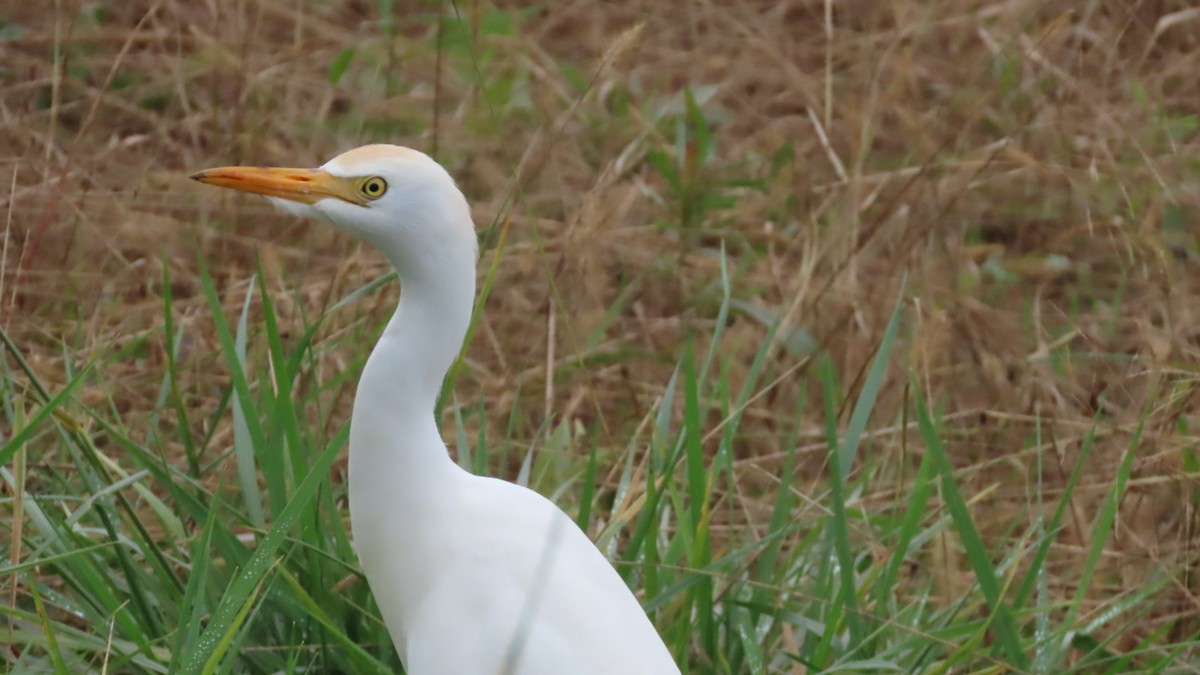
1031, 168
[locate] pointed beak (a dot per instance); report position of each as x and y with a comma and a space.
307, 186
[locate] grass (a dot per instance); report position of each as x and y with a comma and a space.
858, 340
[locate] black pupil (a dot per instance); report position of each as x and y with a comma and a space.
372, 187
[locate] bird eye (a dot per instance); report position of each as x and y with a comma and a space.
374, 187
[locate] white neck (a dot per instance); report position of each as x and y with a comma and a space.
397, 457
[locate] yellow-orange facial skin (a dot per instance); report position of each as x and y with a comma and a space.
307, 186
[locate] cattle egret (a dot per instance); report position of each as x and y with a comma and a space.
473, 575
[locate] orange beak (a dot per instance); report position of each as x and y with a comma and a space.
307, 186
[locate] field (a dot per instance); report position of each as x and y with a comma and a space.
862, 336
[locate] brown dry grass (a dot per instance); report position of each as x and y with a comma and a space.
1032, 168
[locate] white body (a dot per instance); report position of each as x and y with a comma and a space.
475, 576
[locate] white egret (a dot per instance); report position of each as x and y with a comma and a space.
474, 575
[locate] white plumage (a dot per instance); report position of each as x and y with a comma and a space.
473, 575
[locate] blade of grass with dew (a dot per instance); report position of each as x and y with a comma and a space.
1103, 526
750, 631
192, 607
238, 593
56, 657
362, 661
972, 542
237, 641
1042, 653
1118, 619
222, 641
1035, 574
846, 598
722, 473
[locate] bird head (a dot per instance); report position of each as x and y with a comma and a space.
397, 199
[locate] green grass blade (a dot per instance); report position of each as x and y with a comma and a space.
698, 507
870, 389
171, 341
243, 446
48, 409
1103, 526
48, 629
192, 606
1037, 560
839, 525
237, 597
977, 555
248, 417
362, 661
229, 636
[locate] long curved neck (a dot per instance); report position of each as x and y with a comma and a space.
401, 476
396, 451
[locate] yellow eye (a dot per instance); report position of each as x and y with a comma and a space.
373, 188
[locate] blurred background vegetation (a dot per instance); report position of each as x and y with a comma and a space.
861, 334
